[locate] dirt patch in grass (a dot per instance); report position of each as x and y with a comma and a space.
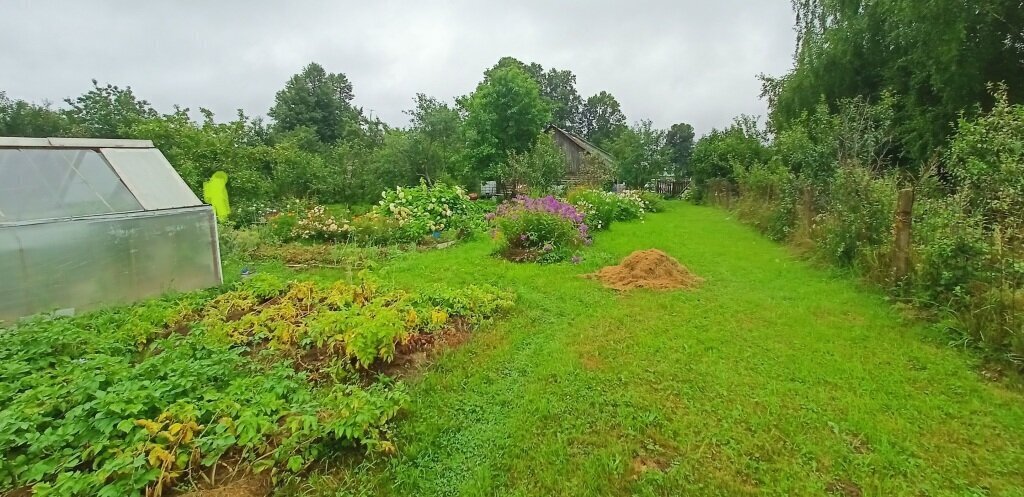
844, 488
243, 485
644, 464
420, 349
651, 269
591, 362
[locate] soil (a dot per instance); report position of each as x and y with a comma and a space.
844, 488
415, 353
241, 485
651, 269
644, 464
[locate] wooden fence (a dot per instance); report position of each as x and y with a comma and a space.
720, 193
667, 187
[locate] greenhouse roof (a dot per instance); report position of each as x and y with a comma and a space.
59, 178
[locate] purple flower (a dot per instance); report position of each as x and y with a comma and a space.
576, 259
522, 237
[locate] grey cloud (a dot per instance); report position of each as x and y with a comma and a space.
665, 60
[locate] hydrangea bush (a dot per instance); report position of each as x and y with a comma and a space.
598, 207
423, 210
633, 204
602, 208
539, 229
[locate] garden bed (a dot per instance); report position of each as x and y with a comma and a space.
266, 378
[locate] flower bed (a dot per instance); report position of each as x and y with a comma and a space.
598, 207
539, 229
602, 208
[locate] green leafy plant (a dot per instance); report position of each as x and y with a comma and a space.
598, 207
138, 399
425, 209
539, 229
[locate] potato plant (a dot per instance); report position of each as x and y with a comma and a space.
141, 399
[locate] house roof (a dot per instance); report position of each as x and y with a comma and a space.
589, 147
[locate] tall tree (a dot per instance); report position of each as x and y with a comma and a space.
640, 153
557, 87
21, 118
937, 58
317, 100
503, 116
433, 144
679, 148
107, 111
602, 118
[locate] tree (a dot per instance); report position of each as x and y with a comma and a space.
106, 111
21, 118
317, 100
435, 141
718, 154
557, 87
540, 168
601, 118
679, 147
198, 149
503, 117
936, 58
640, 153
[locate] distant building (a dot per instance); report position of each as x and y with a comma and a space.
577, 149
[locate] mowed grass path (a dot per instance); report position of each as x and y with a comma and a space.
773, 378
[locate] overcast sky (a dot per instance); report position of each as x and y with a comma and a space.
665, 60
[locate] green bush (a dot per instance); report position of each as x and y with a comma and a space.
858, 219
541, 230
598, 207
768, 199
629, 206
423, 210
652, 202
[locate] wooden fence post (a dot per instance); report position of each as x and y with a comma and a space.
902, 227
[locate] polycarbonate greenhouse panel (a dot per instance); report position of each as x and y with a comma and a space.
59, 183
83, 264
152, 179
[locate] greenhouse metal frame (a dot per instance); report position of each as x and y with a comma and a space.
86, 223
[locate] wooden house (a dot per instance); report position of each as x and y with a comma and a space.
577, 150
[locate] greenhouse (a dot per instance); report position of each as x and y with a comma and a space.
86, 223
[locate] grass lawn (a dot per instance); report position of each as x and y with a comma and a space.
773, 378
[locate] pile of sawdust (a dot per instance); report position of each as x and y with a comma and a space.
652, 269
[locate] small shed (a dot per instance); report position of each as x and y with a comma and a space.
577, 149
86, 223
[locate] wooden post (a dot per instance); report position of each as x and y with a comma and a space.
807, 208
902, 230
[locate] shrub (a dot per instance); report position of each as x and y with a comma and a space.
633, 204
422, 210
598, 207
768, 199
858, 217
539, 229
652, 202
628, 206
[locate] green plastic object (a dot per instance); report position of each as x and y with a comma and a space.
215, 193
